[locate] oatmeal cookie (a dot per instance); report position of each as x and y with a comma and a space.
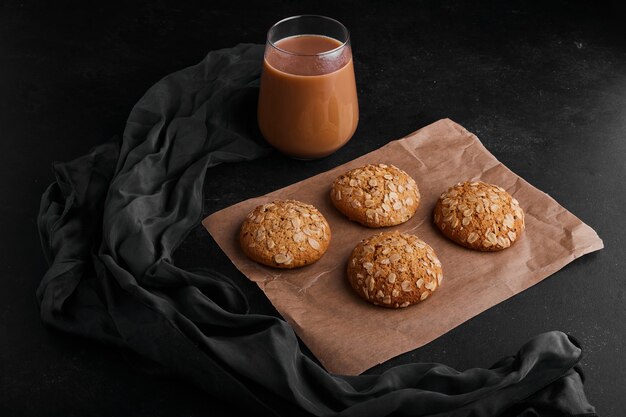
394, 270
285, 234
376, 195
479, 216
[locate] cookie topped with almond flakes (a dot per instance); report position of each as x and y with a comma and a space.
479, 216
394, 270
376, 195
285, 234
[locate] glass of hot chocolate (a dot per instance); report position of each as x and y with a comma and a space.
308, 104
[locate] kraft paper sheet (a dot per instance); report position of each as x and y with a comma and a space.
349, 335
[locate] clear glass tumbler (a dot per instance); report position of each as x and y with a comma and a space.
308, 104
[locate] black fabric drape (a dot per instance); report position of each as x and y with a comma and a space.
111, 221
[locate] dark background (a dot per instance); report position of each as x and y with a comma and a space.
543, 86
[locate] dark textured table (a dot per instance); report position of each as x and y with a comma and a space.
544, 88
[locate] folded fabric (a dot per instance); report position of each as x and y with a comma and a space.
113, 218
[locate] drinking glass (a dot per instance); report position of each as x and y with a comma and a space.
308, 104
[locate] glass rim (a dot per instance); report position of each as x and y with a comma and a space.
341, 25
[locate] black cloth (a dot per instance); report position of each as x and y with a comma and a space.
111, 221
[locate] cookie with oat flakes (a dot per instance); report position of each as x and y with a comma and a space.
479, 216
376, 195
394, 270
285, 234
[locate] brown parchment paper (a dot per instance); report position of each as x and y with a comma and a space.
347, 334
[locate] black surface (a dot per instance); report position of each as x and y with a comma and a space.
544, 87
